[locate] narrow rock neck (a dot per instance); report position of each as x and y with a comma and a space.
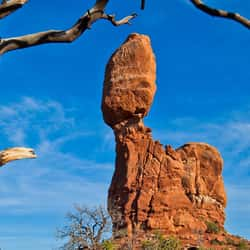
131, 128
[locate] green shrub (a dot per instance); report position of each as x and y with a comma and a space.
170, 244
148, 245
230, 242
212, 227
216, 242
108, 245
242, 245
160, 243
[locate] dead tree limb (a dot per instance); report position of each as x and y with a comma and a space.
64, 36
86, 228
91, 16
221, 13
12, 154
7, 7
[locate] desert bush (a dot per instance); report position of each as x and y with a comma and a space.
212, 227
160, 243
230, 241
108, 245
216, 242
242, 245
148, 245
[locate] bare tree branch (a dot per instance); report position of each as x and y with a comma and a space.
7, 7
63, 36
221, 13
12, 154
86, 228
91, 16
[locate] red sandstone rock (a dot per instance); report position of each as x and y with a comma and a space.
155, 187
129, 81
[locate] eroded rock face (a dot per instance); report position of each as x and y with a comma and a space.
155, 187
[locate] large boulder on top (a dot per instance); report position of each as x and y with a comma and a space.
129, 85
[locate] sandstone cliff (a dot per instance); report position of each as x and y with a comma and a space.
155, 187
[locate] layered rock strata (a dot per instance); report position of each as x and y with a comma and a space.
155, 187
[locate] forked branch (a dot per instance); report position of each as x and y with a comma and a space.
221, 13
64, 36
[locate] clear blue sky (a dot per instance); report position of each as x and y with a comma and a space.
51, 95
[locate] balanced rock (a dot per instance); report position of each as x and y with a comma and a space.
155, 188
129, 81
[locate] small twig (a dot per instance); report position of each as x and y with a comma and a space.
143, 2
221, 13
125, 20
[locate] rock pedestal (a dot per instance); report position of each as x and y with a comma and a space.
155, 187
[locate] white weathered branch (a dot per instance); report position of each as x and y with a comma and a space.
63, 36
221, 13
7, 7
12, 154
